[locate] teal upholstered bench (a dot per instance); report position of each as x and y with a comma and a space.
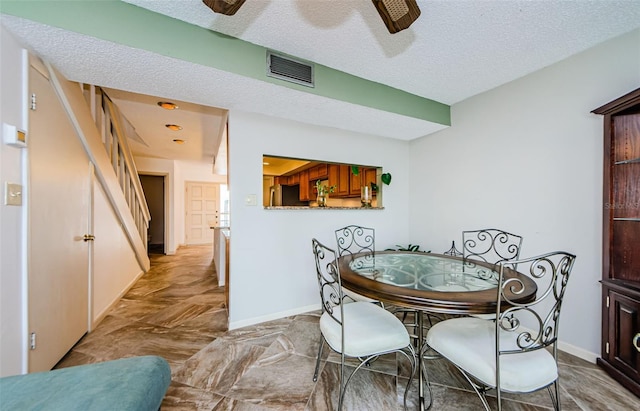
137, 383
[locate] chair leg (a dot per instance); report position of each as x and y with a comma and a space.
555, 395
480, 391
343, 387
414, 369
425, 375
315, 373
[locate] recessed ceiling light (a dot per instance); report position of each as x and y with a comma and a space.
178, 141
173, 127
167, 105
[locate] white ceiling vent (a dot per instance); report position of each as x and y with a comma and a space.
288, 69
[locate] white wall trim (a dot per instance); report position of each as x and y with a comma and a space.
98, 318
578, 352
275, 316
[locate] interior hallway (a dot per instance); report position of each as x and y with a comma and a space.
177, 311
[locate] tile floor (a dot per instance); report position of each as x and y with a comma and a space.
177, 311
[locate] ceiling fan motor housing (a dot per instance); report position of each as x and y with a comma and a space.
226, 7
397, 15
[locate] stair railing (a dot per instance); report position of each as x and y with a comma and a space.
109, 121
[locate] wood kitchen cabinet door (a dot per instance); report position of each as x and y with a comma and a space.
355, 182
339, 176
305, 192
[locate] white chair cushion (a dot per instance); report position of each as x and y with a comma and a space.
368, 329
469, 343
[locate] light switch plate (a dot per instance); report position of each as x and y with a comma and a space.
12, 194
251, 200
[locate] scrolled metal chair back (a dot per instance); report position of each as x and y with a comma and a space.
538, 318
354, 239
489, 245
329, 283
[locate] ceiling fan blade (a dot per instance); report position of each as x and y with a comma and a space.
397, 15
226, 7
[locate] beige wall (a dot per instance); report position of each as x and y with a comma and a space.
527, 157
112, 277
12, 218
278, 279
13, 248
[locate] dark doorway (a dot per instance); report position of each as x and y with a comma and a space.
153, 187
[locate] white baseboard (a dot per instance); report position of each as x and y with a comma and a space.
578, 352
275, 316
100, 316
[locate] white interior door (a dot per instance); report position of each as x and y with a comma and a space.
58, 218
203, 212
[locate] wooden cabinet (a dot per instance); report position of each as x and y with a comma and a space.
305, 187
355, 182
339, 176
319, 172
621, 239
348, 184
370, 176
294, 179
622, 320
366, 176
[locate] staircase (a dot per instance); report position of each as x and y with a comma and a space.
112, 125
100, 128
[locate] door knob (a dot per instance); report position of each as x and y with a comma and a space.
88, 237
635, 341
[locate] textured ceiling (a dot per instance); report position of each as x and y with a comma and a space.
455, 50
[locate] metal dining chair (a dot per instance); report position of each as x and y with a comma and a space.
517, 352
358, 329
453, 251
354, 239
490, 245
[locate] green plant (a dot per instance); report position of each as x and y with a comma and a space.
323, 190
410, 247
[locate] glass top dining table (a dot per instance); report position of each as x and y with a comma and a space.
426, 281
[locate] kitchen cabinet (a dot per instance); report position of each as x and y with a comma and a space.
366, 176
305, 191
370, 176
348, 184
319, 172
620, 353
294, 179
339, 176
355, 182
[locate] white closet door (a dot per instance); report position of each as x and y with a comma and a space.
58, 220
